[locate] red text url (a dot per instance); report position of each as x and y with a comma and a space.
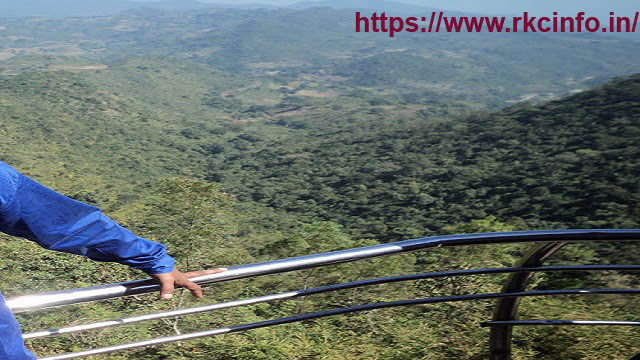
438, 22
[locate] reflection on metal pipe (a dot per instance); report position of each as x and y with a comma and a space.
75, 296
160, 315
322, 314
313, 291
562, 323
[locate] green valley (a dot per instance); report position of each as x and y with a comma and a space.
257, 134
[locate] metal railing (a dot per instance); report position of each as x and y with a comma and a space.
503, 321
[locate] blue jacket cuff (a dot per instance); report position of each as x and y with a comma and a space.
164, 265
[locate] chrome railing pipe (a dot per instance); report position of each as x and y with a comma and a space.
314, 291
321, 314
562, 323
74, 296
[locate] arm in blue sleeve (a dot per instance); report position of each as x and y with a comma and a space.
56, 222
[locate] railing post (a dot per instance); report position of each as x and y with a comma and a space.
506, 309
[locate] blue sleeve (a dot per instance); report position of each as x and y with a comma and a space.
56, 222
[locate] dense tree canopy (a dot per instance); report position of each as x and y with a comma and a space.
199, 131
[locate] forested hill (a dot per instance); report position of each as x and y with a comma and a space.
383, 167
364, 163
235, 136
567, 163
228, 169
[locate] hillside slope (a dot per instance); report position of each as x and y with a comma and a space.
383, 167
317, 173
566, 163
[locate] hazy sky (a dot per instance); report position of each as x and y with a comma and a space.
499, 6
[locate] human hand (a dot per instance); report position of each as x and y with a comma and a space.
169, 281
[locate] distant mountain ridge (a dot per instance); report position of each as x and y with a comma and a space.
321, 41
81, 8
377, 5
75, 8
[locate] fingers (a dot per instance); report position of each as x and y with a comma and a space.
166, 285
181, 280
195, 289
168, 281
192, 274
